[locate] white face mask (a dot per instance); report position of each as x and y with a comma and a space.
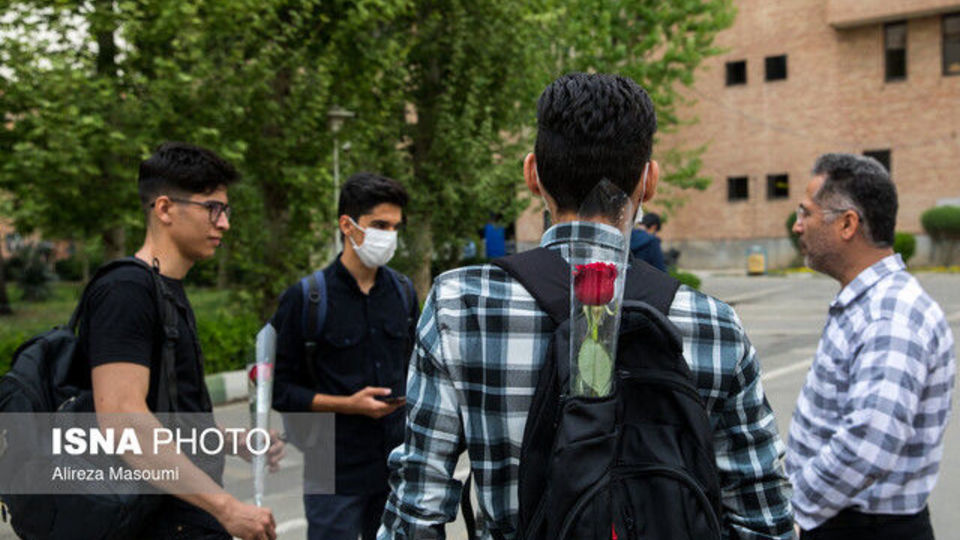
639, 218
377, 248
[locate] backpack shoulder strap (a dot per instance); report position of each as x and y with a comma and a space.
166, 305
545, 274
404, 288
313, 289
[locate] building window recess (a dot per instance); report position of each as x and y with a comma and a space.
883, 156
951, 44
776, 67
736, 73
778, 186
895, 51
737, 188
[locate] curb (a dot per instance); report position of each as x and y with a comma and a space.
227, 386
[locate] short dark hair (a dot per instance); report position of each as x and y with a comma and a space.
365, 190
651, 219
862, 184
182, 169
592, 127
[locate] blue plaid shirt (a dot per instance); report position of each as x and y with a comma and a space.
481, 342
867, 432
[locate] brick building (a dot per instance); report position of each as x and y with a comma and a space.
800, 78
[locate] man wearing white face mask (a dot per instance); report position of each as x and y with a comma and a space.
344, 336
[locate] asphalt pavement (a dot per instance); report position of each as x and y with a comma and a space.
783, 317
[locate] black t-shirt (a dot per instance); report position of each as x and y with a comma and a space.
366, 341
121, 323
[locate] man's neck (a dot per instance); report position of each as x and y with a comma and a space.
172, 263
365, 277
860, 261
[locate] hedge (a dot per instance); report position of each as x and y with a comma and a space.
942, 222
905, 244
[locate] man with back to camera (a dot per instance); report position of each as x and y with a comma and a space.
358, 366
645, 244
482, 340
183, 190
866, 438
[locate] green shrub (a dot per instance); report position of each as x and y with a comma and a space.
71, 268
905, 244
35, 277
8, 345
794, 239
686, 278
227, 337
942, 222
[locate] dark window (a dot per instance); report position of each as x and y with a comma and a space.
776, 67
737, 188
736, 72
895, 50
778, 186
883, 156
951, 44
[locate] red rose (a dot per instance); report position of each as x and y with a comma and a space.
594, 283
266, 371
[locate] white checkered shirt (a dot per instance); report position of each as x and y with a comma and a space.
481, 342
867, 432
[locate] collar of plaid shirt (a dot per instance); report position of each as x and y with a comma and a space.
867, 279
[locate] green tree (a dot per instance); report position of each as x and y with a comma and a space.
79, 122
445, 93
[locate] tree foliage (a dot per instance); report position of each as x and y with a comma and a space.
445, 93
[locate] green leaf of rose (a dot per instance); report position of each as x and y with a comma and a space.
595, 366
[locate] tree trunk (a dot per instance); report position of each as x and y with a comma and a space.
5, 308
104, 27
114, 241
422, 247
84, 263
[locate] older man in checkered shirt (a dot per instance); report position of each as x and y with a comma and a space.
867, 434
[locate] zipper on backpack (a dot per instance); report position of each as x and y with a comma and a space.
557, 415
678, 474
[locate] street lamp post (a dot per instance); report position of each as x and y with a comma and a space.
336, 117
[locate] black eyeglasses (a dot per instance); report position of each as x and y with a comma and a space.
215, 208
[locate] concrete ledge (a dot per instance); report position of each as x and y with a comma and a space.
227, 386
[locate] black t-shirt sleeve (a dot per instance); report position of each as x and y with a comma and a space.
121, 320
291, 392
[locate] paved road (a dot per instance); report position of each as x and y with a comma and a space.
783, 317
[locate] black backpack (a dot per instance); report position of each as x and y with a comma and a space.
638, 464
43, 378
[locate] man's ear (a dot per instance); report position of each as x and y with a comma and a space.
344, 224
530, 174
646, 190
850, 224
161, 209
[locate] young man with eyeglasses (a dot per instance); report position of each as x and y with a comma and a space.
354, 363
183, 190
867, 433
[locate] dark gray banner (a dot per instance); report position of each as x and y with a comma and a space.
73, 453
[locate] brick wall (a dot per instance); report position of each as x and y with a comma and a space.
834, 99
